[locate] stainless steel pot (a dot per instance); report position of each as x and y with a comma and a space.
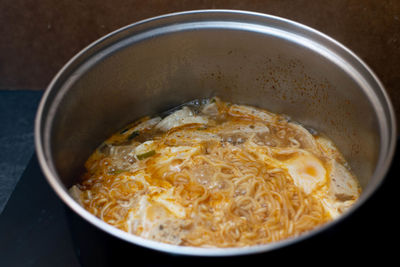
243, 57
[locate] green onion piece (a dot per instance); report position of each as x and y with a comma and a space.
146, 155
133, 135
124, 130
116, 172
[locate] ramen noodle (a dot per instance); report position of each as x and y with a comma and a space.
215, 174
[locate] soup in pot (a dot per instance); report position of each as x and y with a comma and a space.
216, 174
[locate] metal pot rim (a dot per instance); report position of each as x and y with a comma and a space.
261, 20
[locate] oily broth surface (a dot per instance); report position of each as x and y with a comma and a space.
215, 174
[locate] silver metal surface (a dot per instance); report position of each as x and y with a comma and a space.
243, 57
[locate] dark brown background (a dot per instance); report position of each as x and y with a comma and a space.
38, 37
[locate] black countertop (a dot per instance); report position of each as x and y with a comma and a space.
17, 114
33, 229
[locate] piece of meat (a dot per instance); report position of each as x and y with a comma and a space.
252, 113
148, 124
203, 173
76, 193
343, 185
121, 157
169, 231
179, 118
211, 109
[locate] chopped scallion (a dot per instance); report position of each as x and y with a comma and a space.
124, 130
116, 172
146, 155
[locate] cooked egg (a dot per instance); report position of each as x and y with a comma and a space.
307, 171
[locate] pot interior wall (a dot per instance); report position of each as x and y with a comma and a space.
137, 77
